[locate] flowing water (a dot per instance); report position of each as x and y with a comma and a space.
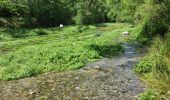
106, 79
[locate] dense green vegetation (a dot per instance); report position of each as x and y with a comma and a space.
61, 50
23, 37
155, 67
36, 13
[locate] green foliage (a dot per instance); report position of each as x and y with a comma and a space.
114, 7
9, 8
42, 33
51, 12
106, 49
141, 38
122, 10
59, 51
33, 60
152, 23
90, 11
155, 67
156, 60
145, 66
54, 12
148, 95
6, 33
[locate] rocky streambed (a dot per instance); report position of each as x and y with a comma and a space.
106, 79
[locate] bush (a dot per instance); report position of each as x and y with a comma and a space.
153, 23
145, 66
156, 60
107, 50
9, 8
87, 13
51, 13
155, 68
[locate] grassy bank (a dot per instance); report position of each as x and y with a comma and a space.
154, 69
57, 50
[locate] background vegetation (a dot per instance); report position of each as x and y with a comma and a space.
34, 13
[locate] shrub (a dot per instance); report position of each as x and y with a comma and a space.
87, 13
156, 60
41, 33
9, 8
152, 22
145, 66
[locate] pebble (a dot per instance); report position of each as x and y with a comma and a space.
77, 88
53, 89
96, 67
76, 78
31, 92
168, 92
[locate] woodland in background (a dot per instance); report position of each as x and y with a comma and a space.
54, 12
153, 14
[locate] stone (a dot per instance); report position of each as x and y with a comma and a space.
97, 67
86, 97
77, 88
31, 92
126, 33
124, 90
61, 25
77, 78
168, 92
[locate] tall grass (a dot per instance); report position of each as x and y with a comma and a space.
155, 66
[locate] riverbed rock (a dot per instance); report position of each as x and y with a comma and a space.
125, 33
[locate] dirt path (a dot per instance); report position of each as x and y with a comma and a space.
107, 79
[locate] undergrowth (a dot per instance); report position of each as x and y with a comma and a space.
68, 50
155, 68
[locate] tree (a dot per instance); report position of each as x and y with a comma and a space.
154, 21
90, 11
51, 12
122, 10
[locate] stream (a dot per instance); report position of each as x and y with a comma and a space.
106, 79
